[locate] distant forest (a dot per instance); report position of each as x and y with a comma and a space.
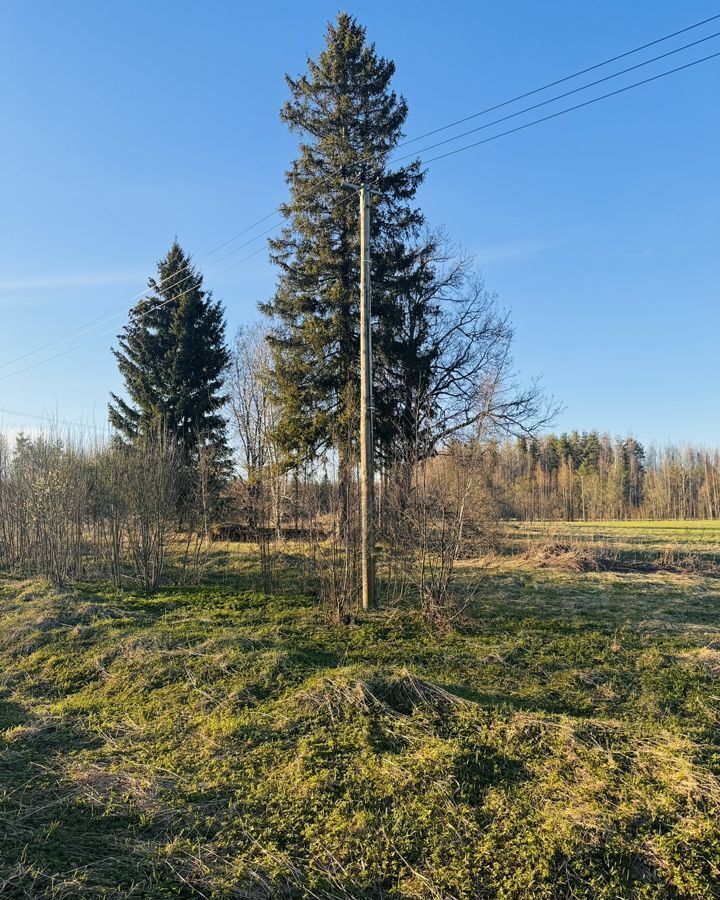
592, 476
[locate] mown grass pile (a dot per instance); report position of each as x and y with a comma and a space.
561, 741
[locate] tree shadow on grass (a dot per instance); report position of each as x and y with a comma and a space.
510, 703
55, 841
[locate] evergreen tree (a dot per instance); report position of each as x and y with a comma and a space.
172, 357
590, 454
349, 121
636, 470
534, 451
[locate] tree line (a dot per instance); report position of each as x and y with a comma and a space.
591, 476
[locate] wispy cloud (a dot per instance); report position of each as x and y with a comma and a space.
77, 280
513, 250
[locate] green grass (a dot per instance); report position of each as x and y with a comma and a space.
658, 534
562, 741
630, 542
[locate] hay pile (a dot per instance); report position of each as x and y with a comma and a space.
558, 555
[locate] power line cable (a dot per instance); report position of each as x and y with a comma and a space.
246, 244
98, 321
550, 84
61, 353
87, 325
576, 90
54, 356
562, 112
54, 419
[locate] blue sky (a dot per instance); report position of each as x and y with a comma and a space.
124, 125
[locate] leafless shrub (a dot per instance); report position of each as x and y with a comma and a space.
334, 550
43, 497
70, 509
429, 509
153, 482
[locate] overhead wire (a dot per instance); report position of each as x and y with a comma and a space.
550, 84
542, 103
570, 109
54, 420
99, 321
141, 315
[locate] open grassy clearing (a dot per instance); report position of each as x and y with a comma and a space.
659, 534
657, 544
561, 741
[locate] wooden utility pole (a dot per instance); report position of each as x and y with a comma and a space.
367, 468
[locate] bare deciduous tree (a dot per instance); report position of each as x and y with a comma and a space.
262, 485
462, 381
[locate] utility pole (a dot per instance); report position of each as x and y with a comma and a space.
367, 468
367, 446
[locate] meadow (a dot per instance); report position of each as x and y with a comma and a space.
632, 544
559, 739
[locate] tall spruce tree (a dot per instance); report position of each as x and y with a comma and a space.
173, 357
349, 121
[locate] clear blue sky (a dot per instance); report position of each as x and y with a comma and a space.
124, 125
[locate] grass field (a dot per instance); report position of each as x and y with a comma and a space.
631, 542
560, 741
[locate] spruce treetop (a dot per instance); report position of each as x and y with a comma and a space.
173, 358
349, 121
